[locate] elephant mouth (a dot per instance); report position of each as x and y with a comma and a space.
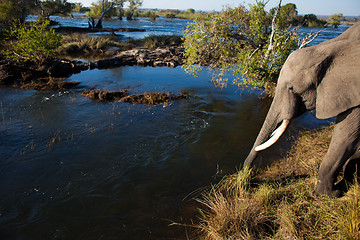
274, 136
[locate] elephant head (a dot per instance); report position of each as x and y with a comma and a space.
325, 77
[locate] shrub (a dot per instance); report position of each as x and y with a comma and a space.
241, 41
11, 10
153, 41
169, 15
34, 43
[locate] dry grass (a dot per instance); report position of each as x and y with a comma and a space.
77, 44
277, 203
153, 42
84, 44
232, 213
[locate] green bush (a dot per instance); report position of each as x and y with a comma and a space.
11, 10
239, 40
34, 43
169, 15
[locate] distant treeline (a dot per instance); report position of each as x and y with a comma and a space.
10, 10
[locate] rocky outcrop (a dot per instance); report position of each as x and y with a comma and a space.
53, 70
161, 57
146, 98
61, 68
169, 56
47, 76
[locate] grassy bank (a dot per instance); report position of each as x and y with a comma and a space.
78, 44
277, 202
73, 44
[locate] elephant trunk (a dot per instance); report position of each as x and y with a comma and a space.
267, 131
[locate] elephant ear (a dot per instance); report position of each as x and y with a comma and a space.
339, 80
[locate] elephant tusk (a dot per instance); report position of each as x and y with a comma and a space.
274, 136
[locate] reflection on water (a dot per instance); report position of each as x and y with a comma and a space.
73, 168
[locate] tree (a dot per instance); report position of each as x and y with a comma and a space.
247, 42
105, 8
311, 20
78, 7
120, 8
191, 11
35, 43
287, 16
133, 10
51, 7
335, 19
15, 10
101, 8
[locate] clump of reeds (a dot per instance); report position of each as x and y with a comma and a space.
83, 44
155, 41
277, 203
232, 212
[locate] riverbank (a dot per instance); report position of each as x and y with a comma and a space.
53, 74
277, 202
155, 51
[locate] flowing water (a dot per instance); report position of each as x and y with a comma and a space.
73, 168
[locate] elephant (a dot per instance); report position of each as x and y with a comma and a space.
324, 77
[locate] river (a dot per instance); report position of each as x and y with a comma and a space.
73, 168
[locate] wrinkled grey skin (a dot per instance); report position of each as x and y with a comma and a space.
325, 77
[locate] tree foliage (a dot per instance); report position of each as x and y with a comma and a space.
97, 8
115, 8
52, 7
15, 10
335, 19
288, 15
240, 40
35, 43
109, 8
311, 20
133, 10
78, 7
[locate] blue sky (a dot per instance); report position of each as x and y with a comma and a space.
318, 7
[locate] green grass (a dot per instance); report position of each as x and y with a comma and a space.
277, 203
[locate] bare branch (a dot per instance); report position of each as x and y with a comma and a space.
38, 4
273, 29
252, 54
21, 57
309, 38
